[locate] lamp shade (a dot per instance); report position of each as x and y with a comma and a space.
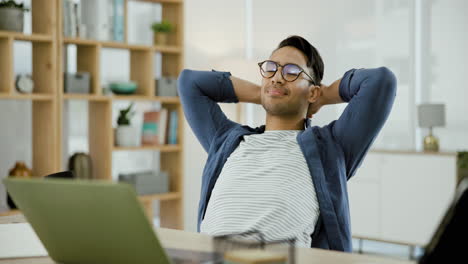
431, 115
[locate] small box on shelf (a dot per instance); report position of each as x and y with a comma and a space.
77, 83
147, 182
166, 86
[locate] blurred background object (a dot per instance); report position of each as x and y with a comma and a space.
430, 116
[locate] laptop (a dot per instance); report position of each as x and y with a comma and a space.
448, 244
81, 221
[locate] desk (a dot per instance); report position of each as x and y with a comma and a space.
193, 241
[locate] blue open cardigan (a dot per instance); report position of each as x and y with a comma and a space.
333, 152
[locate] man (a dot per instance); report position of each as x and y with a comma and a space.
287, 178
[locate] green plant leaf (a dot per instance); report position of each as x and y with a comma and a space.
125, 116
162, 27
13, 4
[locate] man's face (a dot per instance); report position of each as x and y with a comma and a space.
282, 98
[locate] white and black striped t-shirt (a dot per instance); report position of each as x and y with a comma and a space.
265, 185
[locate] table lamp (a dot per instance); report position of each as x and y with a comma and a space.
431, 115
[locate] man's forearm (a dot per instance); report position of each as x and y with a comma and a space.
246, 91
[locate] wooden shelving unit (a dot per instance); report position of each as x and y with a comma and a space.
101, 141
33, 97
26, 37
44, 74
163, 148
49, 98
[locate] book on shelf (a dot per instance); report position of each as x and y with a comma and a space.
79, 28
172, 128
73, 26
118, 21
100, 20
163, 126
69, 18
150, 131
97, 18
160, 127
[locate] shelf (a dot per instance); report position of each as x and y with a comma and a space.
83, 42
160, 1
26, 37
167, 49
105, 44
49, 102
92, 97
32, 96
162, 99
160, 197
168, 99
162, 148
87, 97
121, 45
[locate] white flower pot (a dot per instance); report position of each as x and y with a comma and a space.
11, 19
126, 136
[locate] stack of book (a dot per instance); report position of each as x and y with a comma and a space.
160, 127
71, 19
94, 19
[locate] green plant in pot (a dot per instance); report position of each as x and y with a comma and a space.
161, 31
462, 165
12, 15
125, 134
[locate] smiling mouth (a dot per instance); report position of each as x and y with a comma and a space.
275, 92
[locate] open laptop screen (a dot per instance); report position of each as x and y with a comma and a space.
449, 241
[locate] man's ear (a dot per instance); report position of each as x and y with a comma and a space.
314, 93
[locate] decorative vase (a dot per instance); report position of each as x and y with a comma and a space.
11, 19
81, 166
24, 83
431, 143
19, 171
160, 38
126, 136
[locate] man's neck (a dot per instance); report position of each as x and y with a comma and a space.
283, 123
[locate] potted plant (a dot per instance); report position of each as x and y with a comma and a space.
462, 164
160, 31
125, 134
12, 15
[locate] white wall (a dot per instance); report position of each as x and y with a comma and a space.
449, 40
214, 35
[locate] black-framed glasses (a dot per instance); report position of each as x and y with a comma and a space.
290, 71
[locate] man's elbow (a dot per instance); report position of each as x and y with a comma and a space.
185, 81
387, 81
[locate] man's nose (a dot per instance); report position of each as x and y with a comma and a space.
278, 77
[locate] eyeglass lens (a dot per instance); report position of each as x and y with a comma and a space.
290, 72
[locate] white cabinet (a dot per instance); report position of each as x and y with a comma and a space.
365, 209
401, 196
